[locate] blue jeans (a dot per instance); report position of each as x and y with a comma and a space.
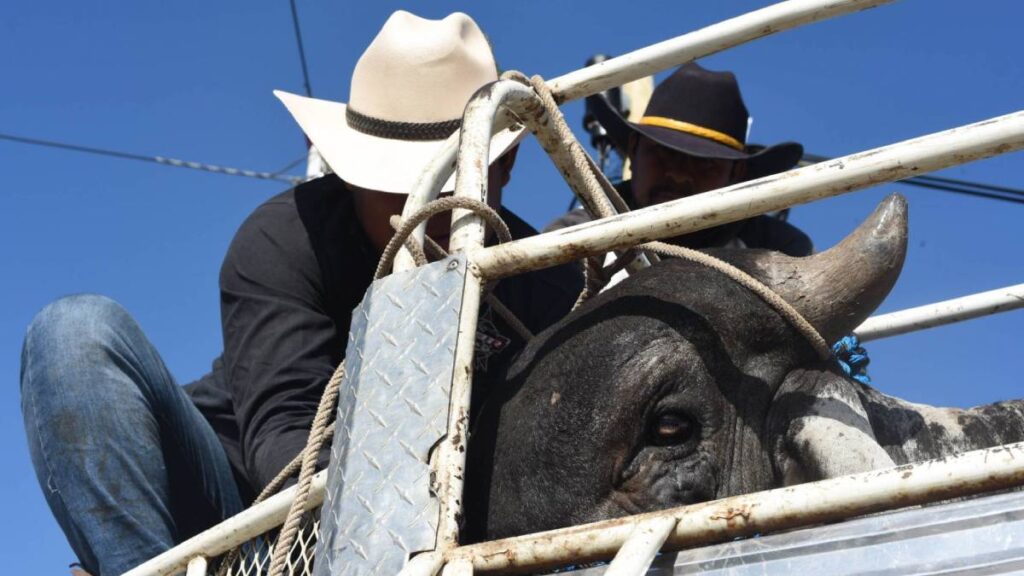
128, 465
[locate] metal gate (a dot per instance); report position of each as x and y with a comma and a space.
423, 523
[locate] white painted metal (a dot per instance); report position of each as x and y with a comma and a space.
780, 509
270, 514
709, 40
467, 236
428, 186
426, 564
460, 567
196, 567
451, 461
941, 313
232, 532
839, 176
633, 66
639, 550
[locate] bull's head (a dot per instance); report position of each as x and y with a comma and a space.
657, 392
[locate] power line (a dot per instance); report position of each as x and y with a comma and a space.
960, 190
153, 159
302, 51
291, 164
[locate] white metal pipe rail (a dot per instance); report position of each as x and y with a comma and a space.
699, 43
232, 532
941, 313
932, 152
639, 550
638, 64
916, 156
830, 500
263, 517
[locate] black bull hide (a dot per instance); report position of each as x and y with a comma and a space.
679, 386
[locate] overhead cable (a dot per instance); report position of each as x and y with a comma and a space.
302, 51
978, 189
155, 159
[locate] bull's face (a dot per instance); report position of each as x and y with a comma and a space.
656, 393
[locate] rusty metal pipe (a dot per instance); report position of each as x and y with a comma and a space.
830, 500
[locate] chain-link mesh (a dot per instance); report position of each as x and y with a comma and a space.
254, 559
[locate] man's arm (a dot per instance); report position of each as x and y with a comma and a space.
280, 343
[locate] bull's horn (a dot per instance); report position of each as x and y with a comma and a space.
837, 289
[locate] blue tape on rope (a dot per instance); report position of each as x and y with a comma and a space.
852, 358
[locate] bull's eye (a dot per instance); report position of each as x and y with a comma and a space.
672, 428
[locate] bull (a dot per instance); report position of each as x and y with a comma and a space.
680, 386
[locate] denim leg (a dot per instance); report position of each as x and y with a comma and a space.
123, 456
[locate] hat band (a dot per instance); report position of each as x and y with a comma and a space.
679, 126
393, 130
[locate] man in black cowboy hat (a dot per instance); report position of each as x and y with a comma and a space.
692, 139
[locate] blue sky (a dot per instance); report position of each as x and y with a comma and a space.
193, 80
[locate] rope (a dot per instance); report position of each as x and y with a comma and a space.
272, 488
754, 285
597, 202
317, 436
598, 194
426, 212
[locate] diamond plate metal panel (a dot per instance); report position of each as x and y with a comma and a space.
393, 407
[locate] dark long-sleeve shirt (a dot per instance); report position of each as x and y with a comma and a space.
291, 277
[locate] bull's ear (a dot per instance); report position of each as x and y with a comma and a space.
818, 428
837, 289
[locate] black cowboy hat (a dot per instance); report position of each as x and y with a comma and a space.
701, 113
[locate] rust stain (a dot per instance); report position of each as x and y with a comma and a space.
733, 513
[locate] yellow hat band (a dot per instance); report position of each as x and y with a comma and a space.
694, 129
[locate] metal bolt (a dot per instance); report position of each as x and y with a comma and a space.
453, 264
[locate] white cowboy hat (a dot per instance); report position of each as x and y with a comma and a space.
408, 93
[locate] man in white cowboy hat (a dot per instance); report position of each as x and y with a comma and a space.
692, 139
131, 463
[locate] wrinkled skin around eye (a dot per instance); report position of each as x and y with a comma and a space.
672, 428
646, 420
671, 463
